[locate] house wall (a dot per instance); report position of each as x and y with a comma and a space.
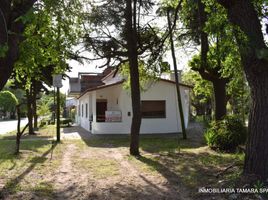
165, 91
74, 87
84, 120
119, 100
71, 102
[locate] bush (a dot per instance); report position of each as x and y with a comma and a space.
226, 134
73, 113
66, 121
44, 121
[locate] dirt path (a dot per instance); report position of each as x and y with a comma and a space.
101, 168
156, 185
72, 182
68, 182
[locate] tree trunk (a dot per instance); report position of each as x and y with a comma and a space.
30, 112
17, 150
176, 79
9, 23
131, 35
207, 72
243, 14
6, 63
219, 87
256, 161
35, 117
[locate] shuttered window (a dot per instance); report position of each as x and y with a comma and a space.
153, 109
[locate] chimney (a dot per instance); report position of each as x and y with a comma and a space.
172, 75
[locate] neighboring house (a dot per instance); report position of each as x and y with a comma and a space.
106, 108
70, 105
80, 84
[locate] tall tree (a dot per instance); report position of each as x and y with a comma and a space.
211, 73
11, 29
13, 20
253, 50
208, 26
132, 44
40, 56
124, 38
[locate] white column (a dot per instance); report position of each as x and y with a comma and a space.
94, 96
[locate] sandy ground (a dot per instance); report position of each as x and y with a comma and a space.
78, 170
129, 183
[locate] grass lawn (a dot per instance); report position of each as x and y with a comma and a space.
101, 168
47, 132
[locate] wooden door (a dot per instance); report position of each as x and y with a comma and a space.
100, 109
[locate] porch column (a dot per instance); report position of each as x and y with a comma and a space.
94, 106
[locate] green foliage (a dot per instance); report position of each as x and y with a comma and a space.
66, 121
201, 95
226, 134
43, 108
19, 93
8, 101
106, 34
52, 28
45, 104
73, 113
202, 91
147, 75
223, 57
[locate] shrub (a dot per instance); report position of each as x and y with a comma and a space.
226, 134
73, 113
65, 121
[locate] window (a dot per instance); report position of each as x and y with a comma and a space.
86, 110
153, 109
82, 110
79, 111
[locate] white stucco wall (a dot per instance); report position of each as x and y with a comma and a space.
74, 87
165, 91
84, 120
119, 100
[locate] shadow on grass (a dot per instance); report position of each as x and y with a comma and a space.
13, 183
7, 148
148, 142
195, 170
119, 190
45, 132
165, 171
36, 136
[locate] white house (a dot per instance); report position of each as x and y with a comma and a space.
106, 109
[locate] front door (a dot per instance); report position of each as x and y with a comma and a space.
100, 109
